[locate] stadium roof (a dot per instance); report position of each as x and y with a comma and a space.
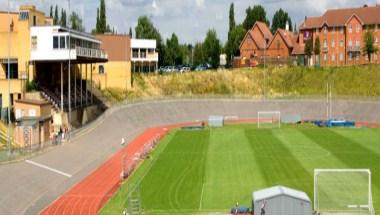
278, 191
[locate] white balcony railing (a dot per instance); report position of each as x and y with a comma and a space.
91, 53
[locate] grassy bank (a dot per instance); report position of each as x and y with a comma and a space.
281, 82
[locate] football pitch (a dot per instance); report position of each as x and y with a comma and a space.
205, 171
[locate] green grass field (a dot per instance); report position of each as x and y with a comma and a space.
198, 172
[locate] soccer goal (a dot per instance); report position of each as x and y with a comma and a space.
343, 192
268, 119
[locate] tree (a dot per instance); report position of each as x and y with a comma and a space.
56, 16
233, 44
257, 13
232, 18
63, 21
212, 49
309, 49
76, 22
97, 26
198, 54
173, 55
317, 49
101, 19
51, 11
369, 45
295, 27
130, 32
280, 19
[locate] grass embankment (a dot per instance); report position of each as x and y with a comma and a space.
281, 82
198, 172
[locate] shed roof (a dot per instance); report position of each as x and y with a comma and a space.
278, 191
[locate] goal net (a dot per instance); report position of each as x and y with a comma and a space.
343, 191
269, 119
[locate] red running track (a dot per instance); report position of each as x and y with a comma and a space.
92, 192
90, 195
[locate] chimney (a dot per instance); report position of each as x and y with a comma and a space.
287, 26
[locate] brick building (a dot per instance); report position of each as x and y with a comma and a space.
254, 43
341, 33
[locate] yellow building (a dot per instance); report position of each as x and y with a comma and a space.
116, 73
18, 42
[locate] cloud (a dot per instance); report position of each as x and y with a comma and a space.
199, 3
189, 19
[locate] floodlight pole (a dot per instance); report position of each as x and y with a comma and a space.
265, 78
9, 81
69, 84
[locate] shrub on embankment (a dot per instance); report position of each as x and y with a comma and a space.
356, 81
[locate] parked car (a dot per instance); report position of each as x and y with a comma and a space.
200, 68
185, 69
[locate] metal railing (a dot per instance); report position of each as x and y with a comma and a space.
92, 53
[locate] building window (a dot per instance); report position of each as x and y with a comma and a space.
24, 15
350, 43
376, 27
376, 40
341, 44
357, 28
101, 69
333, 43
143, 53
357, 57
357, 43
325, 57
333, 57
341, 30
317, 31
350, 56
34, 21
34, 42
62, 42
325, 30
135, 53
55, 42
324, 43
341, 56
333, 29
350, 28
375, 56
366, 57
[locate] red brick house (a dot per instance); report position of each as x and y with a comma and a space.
341, 33
254, 42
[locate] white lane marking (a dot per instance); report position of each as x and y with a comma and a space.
200, 202
48, 168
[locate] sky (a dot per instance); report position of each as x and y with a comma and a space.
188, 19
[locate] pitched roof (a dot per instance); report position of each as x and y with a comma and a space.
288, 37
264, 29
339, 17
278, 191
259, 41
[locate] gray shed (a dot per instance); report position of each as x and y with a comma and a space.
280, 200
215, 121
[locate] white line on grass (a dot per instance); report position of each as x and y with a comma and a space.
200, 202
48, 168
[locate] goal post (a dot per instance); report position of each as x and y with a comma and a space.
268, 119
343, 191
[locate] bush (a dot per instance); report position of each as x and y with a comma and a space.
31, 86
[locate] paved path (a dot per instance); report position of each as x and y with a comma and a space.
28, 189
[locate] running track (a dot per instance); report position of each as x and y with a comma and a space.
89, 195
